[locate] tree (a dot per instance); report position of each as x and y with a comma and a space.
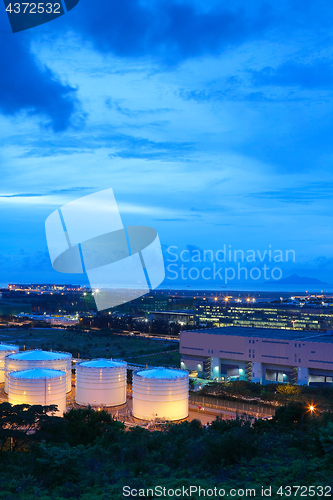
83, 426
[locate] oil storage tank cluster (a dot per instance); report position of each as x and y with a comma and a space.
27, 360
44, 377
38, 386
160, 393
5, 349
101, 382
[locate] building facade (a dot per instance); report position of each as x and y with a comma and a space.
180, 317
259, 354
264, 316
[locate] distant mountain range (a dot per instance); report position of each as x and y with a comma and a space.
294, 279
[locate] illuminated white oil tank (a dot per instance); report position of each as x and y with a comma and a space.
5, 349
39, 386
160, 393
101, 382
37, 358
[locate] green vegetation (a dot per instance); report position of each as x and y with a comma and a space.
96, 344
88, 455
272, 394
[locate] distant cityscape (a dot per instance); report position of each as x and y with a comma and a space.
174, 308
205, 322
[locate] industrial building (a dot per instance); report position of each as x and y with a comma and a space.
180, 317
262, 355
219, 314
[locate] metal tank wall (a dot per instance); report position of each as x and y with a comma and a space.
101, 382
38, 386
160, 394
37, 358
5, 349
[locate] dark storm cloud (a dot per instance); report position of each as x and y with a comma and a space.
170, 30
25, 85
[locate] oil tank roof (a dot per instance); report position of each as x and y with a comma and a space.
162, 373
8, 347
102, 363
37, 373
39, 355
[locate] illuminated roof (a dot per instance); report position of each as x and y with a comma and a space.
8, 347
162, 373
264, 333
37, 373
39, 355
102, 363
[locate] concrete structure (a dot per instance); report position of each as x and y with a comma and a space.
221, 314
160, 393
38, 386
101, 382
180, 317
259, 354
37, 358
69, 319
5, 349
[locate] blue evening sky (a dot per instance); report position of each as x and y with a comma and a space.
211, 120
